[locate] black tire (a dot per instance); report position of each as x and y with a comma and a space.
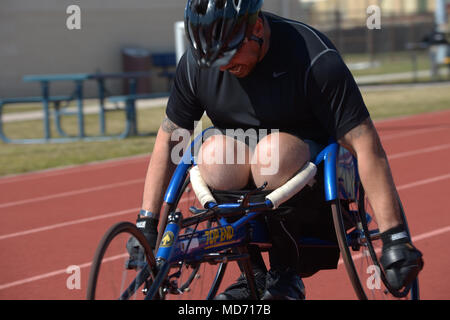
341, 235
363, 240
142, 275
413, 289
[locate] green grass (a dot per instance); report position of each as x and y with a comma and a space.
396, 62
16, 158
402, 102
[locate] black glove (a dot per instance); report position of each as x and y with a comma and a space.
149, 228
401, 261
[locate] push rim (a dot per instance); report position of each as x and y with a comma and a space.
103, 260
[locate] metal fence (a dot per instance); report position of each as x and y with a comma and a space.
351, 35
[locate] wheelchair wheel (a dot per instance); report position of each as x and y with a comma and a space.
113, 275
192, 280
360, 245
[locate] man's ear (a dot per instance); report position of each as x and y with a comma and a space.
258, 29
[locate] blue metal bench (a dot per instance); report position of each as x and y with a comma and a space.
56, 100
130, 109
45, 80
101, 78
79, 78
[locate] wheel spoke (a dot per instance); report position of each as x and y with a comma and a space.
111, 276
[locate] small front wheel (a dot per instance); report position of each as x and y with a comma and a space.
113, 275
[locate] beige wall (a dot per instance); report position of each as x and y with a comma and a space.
358, 7
34, 38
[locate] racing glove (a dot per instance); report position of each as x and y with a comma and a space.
401, 261
149, 228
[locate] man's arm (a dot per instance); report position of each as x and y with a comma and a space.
363, 141
161, 167
340, 107
184, 109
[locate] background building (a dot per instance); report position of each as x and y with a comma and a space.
35, 39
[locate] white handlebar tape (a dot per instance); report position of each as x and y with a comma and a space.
293, 186
200, 188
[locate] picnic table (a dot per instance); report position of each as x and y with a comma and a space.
78, 79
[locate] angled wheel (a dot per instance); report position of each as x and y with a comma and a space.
360, 245
113, 275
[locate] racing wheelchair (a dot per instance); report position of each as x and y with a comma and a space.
198, 237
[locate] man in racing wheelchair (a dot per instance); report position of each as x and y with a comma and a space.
249, 69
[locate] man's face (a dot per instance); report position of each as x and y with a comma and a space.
248, 54
244, 60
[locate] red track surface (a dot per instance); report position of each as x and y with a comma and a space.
54, 219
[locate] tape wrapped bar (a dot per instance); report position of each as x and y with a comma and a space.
277, 197
200, 188
293, 186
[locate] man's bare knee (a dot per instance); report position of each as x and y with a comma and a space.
277, 158
221, 165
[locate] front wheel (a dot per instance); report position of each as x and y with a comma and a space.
113, 275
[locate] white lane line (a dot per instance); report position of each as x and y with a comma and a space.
38, 277
55, 273
73, 169
431, 233
78, 221
68, 223
88, 264
419, 151
411, 133
124, 183
71, 193
58, 272
105, 216
419, 116
423, 182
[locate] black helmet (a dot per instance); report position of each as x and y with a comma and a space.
216, 28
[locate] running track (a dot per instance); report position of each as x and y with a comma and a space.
53, 219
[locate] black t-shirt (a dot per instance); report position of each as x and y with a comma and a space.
301, 86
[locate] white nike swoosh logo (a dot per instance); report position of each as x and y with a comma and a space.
278, 74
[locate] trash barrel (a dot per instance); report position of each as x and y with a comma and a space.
137, 60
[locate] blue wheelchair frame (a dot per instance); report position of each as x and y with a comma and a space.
196, 245
229, 235
341, 182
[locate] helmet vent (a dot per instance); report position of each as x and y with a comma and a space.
200, 6
218, 30
220, 4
